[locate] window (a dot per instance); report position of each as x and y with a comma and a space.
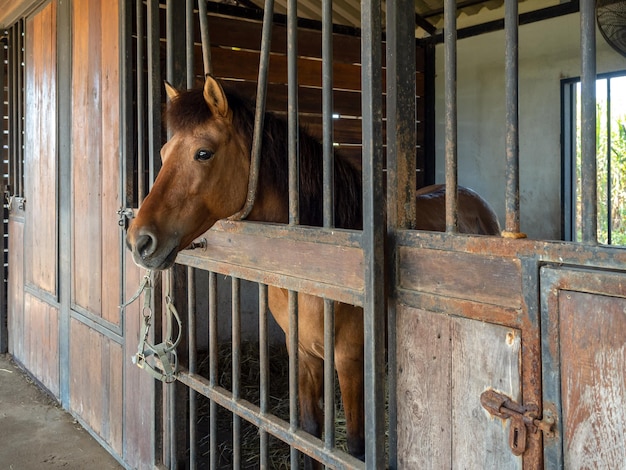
610, 155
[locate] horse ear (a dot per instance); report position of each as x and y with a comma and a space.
172, 93
215, 97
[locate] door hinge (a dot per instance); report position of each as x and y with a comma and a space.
524, 418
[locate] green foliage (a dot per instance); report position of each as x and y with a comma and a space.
611, 170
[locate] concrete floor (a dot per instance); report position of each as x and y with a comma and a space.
36, 433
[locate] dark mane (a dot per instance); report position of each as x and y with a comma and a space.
190, 110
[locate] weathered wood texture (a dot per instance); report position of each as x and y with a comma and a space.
41, 342
96, 391
40, 151
15, 290
139, 387
443, 367
95, 153
593, 376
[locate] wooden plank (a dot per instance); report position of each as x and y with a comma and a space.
322, 260
484, 356
593, 378
110, 179
40, 165
15, 291
96, 394
41, 330
423, 389
444, 365
482, 278
139, 387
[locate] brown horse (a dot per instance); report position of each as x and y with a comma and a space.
204, 178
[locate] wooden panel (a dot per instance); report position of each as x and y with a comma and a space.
95, 151
444, 364
139, 389
330, 261
96, 392
15, 291
481, 278
593, 377
40, 151
41, 342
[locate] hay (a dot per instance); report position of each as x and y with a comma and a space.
278, 451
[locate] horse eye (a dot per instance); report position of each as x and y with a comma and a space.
203, 155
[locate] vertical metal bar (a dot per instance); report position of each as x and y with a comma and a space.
170, 390
193, 361
154, 89
12, 98
401, 170
204, 35
512, 225
141, 92
328, 216
264, 372
259, 112
292, 110
609, 185
327, 112
450, 114
213, 357
20, 108
373, 231
236, 361
292, 299
588, 129
329, 373
189, 42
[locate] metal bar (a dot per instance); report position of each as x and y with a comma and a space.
259, 112
329, 374
373, 232
189, 42
141, 92
292, 299
401, 171
327, 113
170, 391
193, 360
271, 424
264, 372
204, 35
511, 33
589, 183
450, 115
236, 364
609, 167
154, 89
292, 110
213, 358
20, 108
12, 99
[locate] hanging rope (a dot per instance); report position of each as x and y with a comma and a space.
164, 363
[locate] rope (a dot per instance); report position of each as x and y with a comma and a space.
164, 364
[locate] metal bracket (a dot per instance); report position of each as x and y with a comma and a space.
524, 418
125, 214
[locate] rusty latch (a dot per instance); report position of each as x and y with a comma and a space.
524, 418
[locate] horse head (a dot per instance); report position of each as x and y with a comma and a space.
203, 178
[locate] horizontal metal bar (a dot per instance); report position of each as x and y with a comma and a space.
277, 427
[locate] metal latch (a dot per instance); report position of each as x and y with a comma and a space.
125, 214
523, 418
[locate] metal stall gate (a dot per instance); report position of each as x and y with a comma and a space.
309, 75
481, 329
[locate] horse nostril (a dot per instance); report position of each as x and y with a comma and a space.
145, 245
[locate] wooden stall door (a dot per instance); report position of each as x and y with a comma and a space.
585, 365
112, 396
33, 242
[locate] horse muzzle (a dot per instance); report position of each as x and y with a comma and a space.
148, 252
